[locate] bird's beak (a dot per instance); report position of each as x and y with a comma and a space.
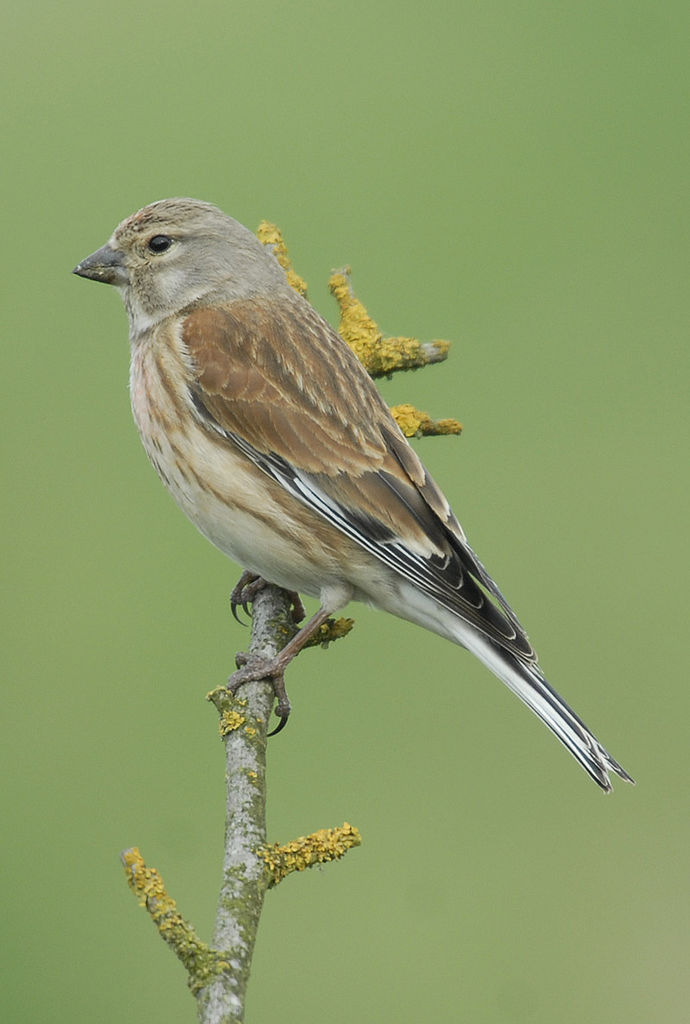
106, 265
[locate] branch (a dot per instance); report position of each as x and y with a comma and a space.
415, 423
218, 974
243, 728
320, 847
270, 234
200, 961
380, 356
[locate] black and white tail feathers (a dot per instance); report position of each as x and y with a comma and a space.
527, 682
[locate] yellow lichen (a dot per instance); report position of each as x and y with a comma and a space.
146, 883
270, 234
414, 423
229, 721
379, 355
331, 629
201, 961
318, 848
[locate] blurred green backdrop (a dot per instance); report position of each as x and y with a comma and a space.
509, 176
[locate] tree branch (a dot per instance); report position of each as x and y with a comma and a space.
218, 974
200, 961
307, 851
243, 727
380, 356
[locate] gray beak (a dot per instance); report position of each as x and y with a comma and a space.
106, 265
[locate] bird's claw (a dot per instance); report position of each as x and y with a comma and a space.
243, 593
246, 589
280, 726
251, 668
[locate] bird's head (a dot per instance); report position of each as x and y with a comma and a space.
176, 252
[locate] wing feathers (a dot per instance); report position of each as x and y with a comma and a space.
256, 359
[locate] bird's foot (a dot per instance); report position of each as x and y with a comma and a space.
246, 589
251, 668
244, 592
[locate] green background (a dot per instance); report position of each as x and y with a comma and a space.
509, 176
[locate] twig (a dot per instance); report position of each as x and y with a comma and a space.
380, 355
200, 961
243, 726
218, 974
320, 847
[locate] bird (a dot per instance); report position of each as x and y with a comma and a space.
275, 442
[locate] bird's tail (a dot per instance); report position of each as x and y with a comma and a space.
527, 682
521, 674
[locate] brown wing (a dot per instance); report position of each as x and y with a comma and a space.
276, 380
277, 375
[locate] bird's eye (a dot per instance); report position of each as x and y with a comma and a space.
159, 244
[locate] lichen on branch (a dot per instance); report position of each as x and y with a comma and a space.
330, 630
325, 845
271, 235
380, 355
415, 423
201, 962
